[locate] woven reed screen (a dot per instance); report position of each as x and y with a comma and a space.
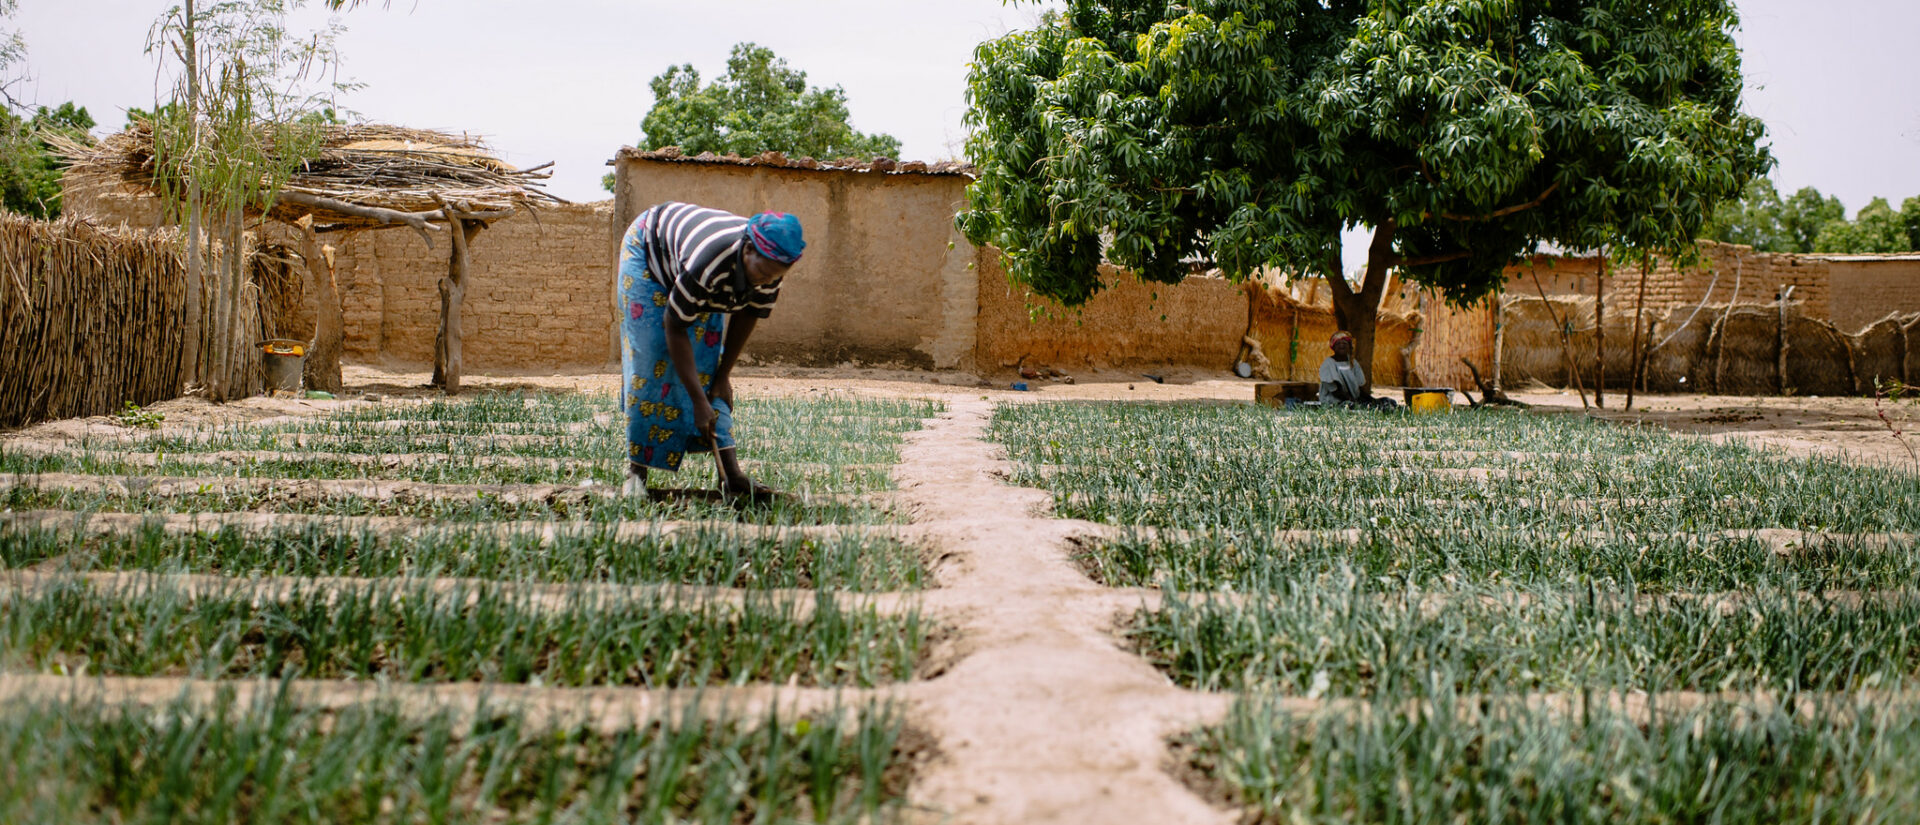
91, 318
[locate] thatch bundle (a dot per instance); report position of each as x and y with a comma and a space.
1536, 351
283, 293
1881, 353
85, 317
1735, 350
408, 171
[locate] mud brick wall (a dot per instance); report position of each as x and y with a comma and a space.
886, 278
1197, 323
1866, 289
1711, 280
537, 295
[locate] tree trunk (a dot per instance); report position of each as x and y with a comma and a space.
239, 341
322, 371
1359, 312
220, 360
192, 334
453, 291
1780, 366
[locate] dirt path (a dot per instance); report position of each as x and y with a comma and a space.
1044, 718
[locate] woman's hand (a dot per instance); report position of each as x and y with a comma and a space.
705, 418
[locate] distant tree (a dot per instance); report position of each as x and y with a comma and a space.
1764, 221
1752, 220
1804, 215
1169, 137
1910, 221
759, 105
1877, 229
30, 170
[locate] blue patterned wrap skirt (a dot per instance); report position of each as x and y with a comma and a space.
660, 430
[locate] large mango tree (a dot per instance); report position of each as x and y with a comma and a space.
1172, 137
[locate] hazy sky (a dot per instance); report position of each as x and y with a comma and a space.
566, 80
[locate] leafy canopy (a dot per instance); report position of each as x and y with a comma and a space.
1166, 135
30, 169
1809, 222
1765, 221
759, 105
258, 110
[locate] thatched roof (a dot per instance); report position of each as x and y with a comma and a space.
360, 167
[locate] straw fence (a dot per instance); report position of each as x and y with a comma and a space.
91, 319
1740, 349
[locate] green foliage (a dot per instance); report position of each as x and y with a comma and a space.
269, 760
30, 170
254, 120
715, 557
133, 415
1878, 228
1763, 220
480, 632
1809, 222
1502, 759
759, 105
1252, 132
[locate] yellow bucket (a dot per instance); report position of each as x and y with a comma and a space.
1431, 402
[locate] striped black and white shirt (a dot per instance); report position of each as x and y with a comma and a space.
695, 254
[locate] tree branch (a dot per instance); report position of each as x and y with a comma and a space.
1429, 260
1503, 211
420, 221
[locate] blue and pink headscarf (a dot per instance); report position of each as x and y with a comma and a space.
777, 236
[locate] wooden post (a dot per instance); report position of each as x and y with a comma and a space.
1499, 336
1639, 352
322, 370
453, 291
1904, 345
1566, 339
238, 344
616, 310
1780, 365
1600, 333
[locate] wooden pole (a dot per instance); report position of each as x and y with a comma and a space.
1780, 347
239, 341
1639, 346
1600, 333
1499, 337
1566, 339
